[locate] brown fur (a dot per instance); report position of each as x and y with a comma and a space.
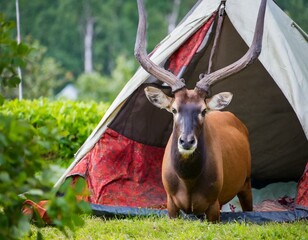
207, 159
217, 171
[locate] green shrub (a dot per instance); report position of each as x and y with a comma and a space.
69, 122
22, 171
29, 132
19, 151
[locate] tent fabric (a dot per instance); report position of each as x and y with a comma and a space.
121, 172
200, 14
264, 110
284, 50
182, 57
302, 190
140, 121
165, 48
262, 106
284, 56
269, 97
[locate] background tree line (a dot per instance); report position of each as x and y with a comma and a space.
91, 42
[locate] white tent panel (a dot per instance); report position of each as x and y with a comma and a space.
284, 52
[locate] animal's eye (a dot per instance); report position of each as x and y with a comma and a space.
174, 111
203, 113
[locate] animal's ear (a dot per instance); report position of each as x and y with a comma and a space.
158, 98
219, 101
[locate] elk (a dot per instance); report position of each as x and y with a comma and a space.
207, 158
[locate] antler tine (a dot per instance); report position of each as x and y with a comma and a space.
251, 55
141, 55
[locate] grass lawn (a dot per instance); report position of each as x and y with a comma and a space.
163, 228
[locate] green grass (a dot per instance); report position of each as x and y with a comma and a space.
163, 228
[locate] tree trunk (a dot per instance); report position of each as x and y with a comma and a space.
173, 16
88, 39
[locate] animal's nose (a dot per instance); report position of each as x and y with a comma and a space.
187, 142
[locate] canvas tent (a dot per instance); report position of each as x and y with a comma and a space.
121, 160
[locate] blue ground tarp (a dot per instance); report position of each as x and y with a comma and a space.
253, 217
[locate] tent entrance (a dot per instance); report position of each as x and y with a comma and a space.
278, 144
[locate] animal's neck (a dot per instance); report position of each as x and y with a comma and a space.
188, 167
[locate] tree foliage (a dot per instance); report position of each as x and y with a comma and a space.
94, 86
13, 55
59, 25
297, 10
42, 75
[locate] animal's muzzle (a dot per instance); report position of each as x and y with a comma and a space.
187, 142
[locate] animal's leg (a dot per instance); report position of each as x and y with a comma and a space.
213, 212
245, 196
173, 210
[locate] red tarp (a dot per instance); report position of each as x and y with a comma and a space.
122, 172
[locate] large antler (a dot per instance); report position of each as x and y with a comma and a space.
141, 55
206, 80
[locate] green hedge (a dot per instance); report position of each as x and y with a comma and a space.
69, 122
24, 171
